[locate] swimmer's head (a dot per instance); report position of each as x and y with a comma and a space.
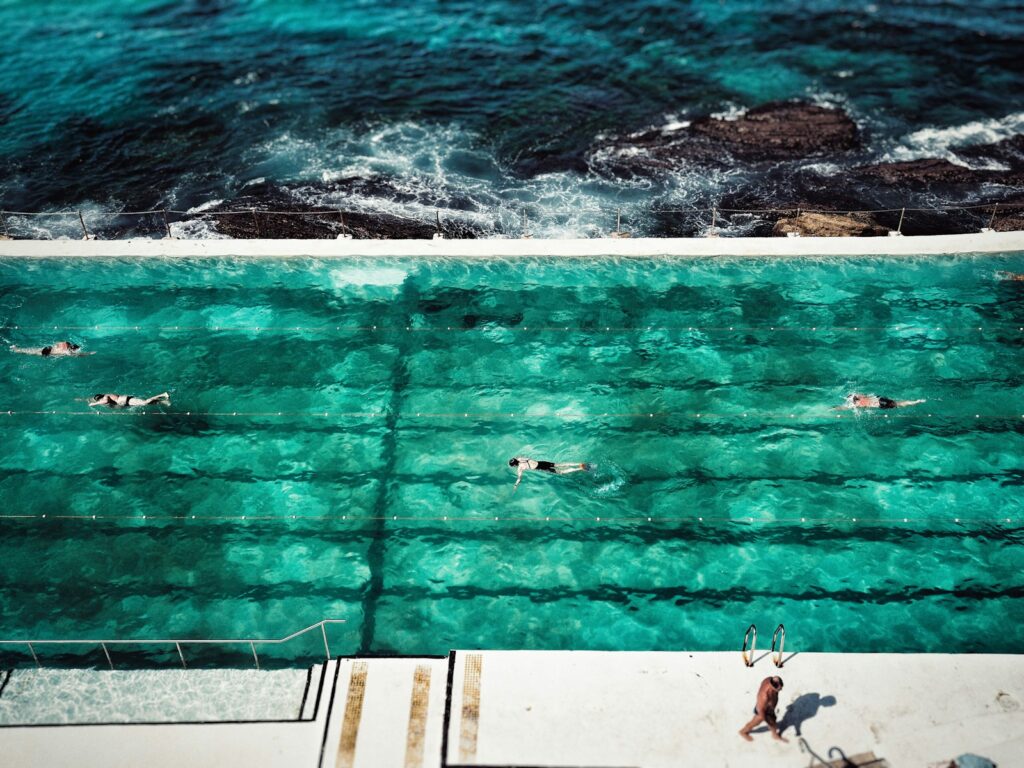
97, 398
73, 347
776, 683
513, 462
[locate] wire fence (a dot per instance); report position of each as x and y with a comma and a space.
986, 214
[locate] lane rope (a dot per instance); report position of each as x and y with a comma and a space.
327, 328
781, 416
533, 519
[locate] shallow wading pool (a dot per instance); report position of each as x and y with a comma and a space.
337, 441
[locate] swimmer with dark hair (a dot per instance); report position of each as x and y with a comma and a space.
60, 349
128, 401
855, 401
523, 464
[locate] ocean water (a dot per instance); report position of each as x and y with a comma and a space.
337, 441
417, 106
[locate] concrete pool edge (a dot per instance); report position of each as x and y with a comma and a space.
590, 708
739, 247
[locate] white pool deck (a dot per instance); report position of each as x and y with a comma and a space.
695, 247
575, 709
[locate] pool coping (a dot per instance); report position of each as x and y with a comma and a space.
680, 248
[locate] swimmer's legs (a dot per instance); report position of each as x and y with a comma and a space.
567, 468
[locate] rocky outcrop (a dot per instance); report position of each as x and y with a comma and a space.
253, 216
769, 133
934, 171
830, 225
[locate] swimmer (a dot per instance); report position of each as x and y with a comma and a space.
871, 401
1016, 276
60, 349
128, 401
523, 464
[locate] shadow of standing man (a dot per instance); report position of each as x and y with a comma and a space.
803, 708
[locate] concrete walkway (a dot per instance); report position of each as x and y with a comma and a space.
575, 709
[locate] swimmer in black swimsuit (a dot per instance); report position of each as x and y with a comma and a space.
522, 464
128, 401
855, 401
60, 349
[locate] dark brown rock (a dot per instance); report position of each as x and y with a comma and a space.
782, 131
830, 225
769, 133
1009, 216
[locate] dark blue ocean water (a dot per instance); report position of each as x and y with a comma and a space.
107, 104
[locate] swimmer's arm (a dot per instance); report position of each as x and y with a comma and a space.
26, 350
519, 478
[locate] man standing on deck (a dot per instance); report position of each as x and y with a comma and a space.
764, 711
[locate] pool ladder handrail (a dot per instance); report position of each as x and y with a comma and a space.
748, 659
780, 634
177, 642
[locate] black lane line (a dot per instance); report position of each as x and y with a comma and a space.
305, 692
447, 709
330, 706
375, 554
319, 690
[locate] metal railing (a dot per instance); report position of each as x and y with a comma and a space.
713, 213
780, 635
748, 657
178, 642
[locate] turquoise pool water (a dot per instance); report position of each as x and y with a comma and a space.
345, 408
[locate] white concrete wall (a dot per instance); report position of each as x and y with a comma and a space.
988, 242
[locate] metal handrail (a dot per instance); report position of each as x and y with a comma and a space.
748, 659
177, 642
780, 634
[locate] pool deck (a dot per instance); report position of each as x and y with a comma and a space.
576, 709
696, 247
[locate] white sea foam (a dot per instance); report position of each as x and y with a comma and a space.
205, 206
942, 142
425, 169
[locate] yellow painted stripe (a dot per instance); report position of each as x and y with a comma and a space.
470, 708
416, 733
353, 714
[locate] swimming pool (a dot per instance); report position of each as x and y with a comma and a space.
339, 431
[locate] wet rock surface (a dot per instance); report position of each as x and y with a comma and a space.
261, 214
935, 171
770, 133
